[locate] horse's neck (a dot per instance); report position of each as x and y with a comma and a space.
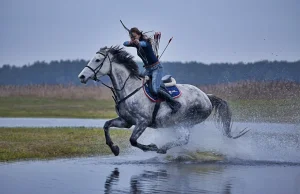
119, 75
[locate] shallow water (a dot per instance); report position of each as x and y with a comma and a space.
103, 175
265, 160
50, 122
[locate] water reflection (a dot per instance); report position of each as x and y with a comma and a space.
191, 179
227, 188
149, 178
111, 180
94, 177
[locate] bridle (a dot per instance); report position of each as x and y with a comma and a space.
98, 68
96, 71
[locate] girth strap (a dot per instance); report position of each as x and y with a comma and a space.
154, 113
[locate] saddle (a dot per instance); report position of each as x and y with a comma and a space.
169, 85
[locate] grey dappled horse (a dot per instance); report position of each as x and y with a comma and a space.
134, 108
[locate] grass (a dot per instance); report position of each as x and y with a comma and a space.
56, 101
48, 143
196, 156
53, 107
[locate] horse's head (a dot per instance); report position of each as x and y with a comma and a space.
97, 67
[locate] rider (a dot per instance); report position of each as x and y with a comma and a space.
153, 67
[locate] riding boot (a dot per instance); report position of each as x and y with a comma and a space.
174, 105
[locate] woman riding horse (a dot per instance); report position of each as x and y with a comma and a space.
153, 67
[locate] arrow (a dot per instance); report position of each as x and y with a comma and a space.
165, 48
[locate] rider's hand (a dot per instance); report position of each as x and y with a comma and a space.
136, 41
146, 78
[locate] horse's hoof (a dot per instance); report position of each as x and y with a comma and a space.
152, 147
115, 149
161, 151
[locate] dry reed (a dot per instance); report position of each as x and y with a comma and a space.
56, 91
246, 90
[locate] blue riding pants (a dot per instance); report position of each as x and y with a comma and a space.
156, 72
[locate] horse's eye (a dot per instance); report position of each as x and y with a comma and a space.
97, 60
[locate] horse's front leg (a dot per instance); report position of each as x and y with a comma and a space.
117, 122
137, 132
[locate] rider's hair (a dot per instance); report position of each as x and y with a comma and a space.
143, 36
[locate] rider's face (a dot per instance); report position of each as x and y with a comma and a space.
135, 36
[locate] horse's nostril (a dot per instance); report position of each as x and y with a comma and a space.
82, 77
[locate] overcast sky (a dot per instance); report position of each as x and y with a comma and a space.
205, 31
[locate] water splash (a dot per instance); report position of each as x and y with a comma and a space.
265, 142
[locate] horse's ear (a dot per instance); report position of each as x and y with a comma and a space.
103, 48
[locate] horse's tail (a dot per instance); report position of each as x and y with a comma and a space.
223, 115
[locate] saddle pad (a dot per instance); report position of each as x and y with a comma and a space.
173, 90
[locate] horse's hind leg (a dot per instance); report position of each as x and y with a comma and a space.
117, 122
137, 132
182, 140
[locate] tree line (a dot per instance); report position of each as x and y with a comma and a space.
66, 72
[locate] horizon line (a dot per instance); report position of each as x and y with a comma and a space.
139, 61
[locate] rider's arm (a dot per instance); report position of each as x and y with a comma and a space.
143, 43
131, 43
128, 43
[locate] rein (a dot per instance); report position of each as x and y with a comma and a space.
96, 71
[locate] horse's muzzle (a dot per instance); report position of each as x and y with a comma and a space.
83, 79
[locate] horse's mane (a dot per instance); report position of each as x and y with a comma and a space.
122, 57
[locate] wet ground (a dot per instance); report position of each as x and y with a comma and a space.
50, 122
107, 175
265, 160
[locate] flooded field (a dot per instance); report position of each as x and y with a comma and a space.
266, 160
114, 175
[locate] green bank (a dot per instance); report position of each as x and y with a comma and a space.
19, 144
48, 143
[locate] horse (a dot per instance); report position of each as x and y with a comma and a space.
134, 108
